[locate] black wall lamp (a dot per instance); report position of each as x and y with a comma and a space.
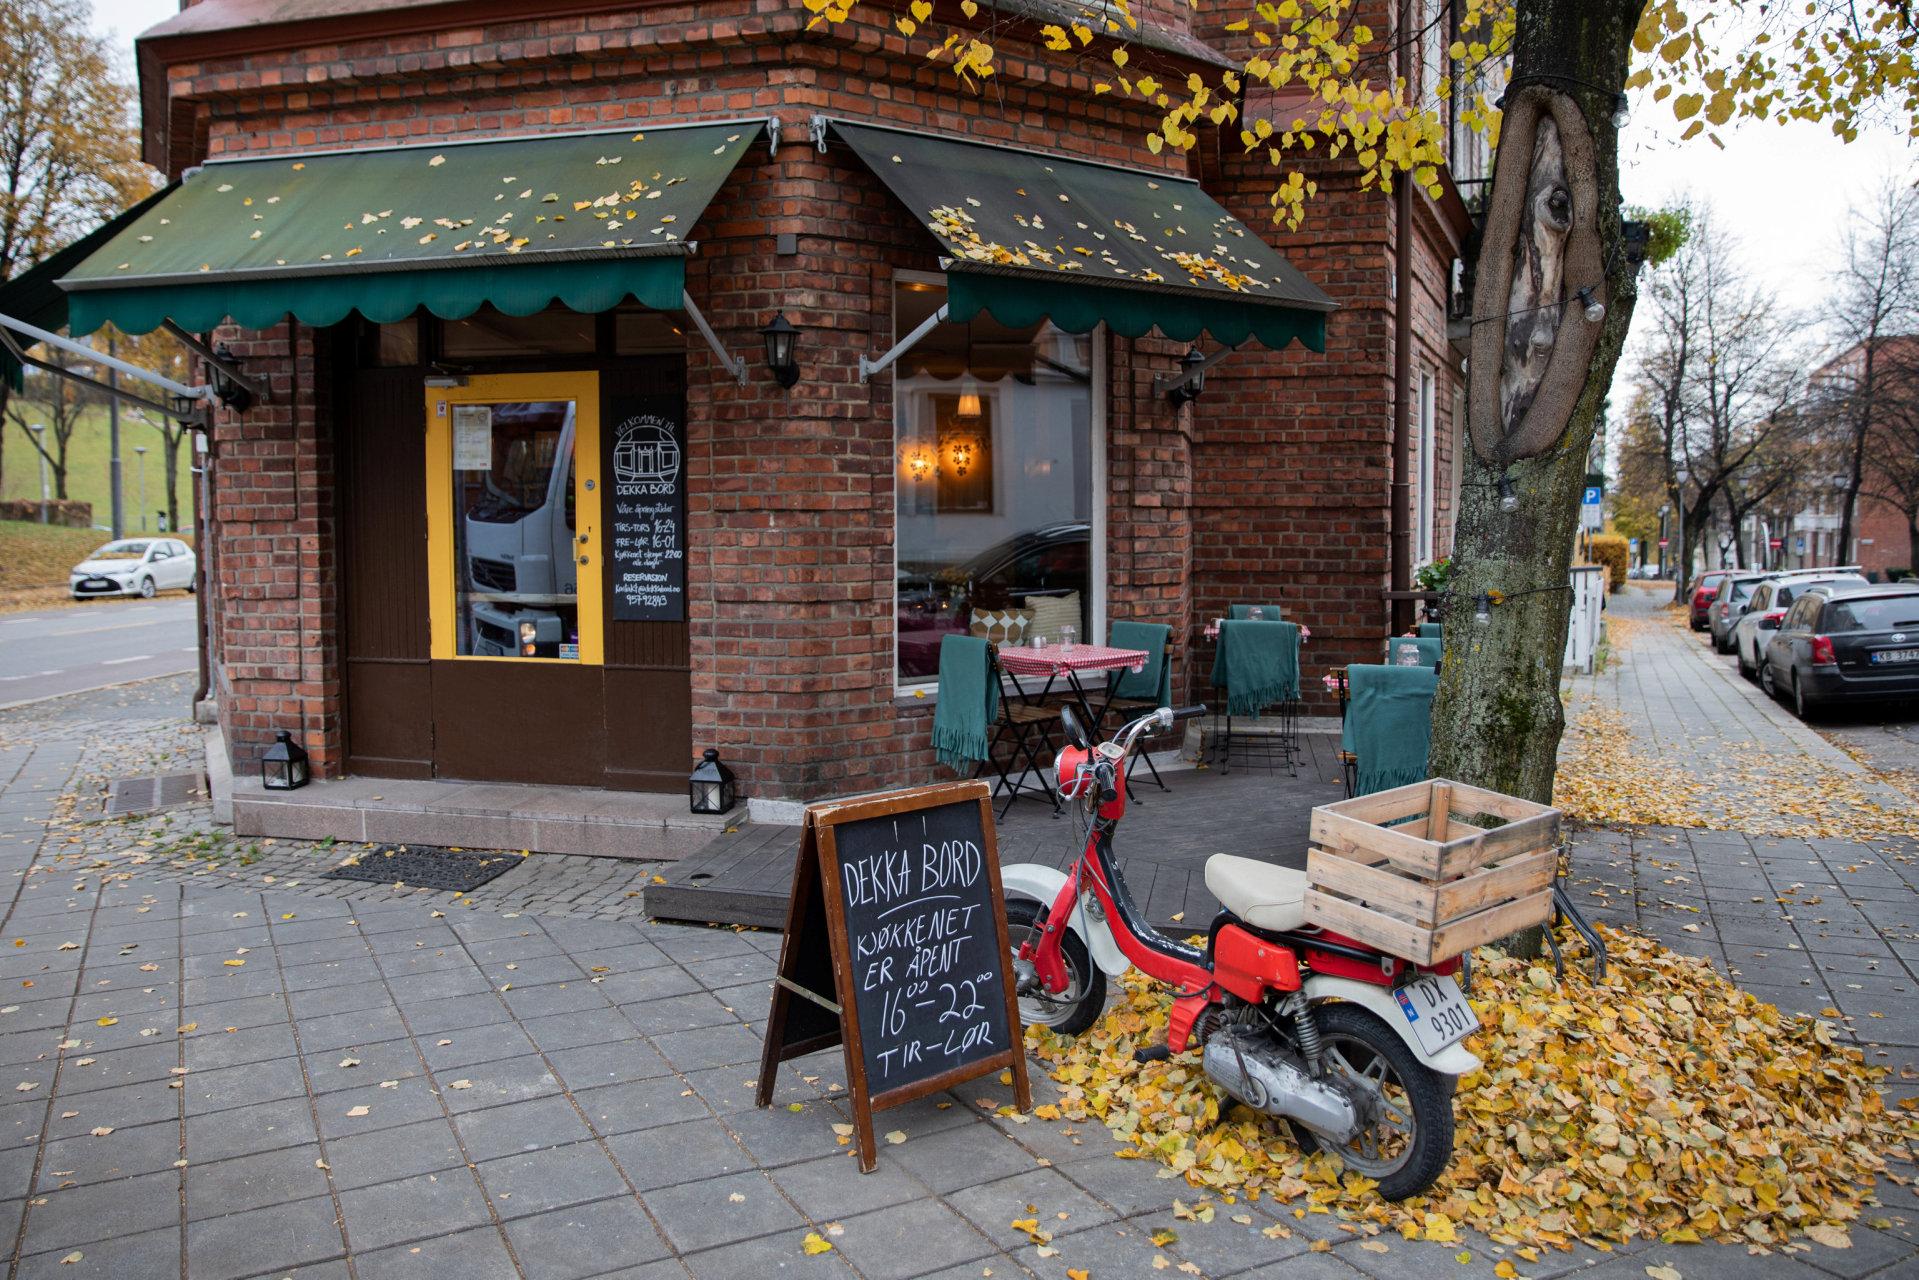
1192, 381
781, 338
233, 393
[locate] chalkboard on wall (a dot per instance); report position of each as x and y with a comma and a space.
645, 508
897, 909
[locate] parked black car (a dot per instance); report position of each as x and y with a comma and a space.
1842, 644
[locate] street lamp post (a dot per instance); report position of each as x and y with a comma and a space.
142, 451
39, 430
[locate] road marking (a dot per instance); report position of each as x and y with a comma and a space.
138, 657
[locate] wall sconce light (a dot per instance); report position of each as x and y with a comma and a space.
962, 455
919, 465
284, 766
233, 394
1192, 368
781, 338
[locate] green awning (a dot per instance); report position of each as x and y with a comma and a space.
35, 294
1034, 236
585, 219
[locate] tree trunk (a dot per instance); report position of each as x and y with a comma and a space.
1497, 718
1912, 541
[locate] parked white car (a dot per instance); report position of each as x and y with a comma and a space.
1770, 600
135, 567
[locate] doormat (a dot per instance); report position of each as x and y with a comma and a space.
154, 792
425, 866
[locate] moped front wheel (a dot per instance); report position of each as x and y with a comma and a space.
1407, 1138
1073, 1010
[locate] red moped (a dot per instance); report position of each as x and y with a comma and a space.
1357, 1050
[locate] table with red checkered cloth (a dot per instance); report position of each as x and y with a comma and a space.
1057, 660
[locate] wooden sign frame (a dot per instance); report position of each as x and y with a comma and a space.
798, 1023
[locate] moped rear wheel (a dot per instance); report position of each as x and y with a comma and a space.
1074, 1009
1408, 1140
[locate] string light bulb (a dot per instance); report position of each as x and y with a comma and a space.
1621, 110
1482, 610
1595, 309
1508, 496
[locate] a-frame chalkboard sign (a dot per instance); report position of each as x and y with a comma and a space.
896, 948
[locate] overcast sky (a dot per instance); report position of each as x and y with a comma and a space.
1782, 192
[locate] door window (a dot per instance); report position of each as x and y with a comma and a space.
512, 514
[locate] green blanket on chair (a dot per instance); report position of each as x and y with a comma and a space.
968, 702
1389, 724
1257, 664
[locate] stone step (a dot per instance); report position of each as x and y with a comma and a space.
472, 815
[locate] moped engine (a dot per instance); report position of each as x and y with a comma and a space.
1260, 1072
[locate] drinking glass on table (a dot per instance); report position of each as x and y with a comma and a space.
1067, 635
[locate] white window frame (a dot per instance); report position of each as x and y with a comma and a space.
1425, 509
1096, 428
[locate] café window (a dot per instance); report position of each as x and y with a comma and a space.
995, 481
512, 503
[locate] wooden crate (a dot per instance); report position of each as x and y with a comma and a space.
1406, 870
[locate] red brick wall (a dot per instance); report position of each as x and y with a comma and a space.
1278, 477
1891, 540
274, 543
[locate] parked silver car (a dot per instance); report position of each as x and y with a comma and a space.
1764, 612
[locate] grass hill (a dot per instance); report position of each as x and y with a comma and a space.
87, 469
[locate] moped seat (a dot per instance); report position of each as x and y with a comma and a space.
1262, 894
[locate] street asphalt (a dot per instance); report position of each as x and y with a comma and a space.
50, 652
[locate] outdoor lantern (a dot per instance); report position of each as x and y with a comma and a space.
712, 787
284, 766
780, 339
1192, 368
232, 394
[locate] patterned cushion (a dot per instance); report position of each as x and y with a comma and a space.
1001, 626
1050, 613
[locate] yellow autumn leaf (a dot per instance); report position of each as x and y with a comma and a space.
813, 1244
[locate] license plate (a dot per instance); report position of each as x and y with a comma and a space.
1436, 1009
1896, 655
100, 583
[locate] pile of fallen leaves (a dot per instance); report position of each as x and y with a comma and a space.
1662, 1102
1605, 779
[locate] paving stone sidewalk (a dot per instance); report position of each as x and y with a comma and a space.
1807, 924
224, 1068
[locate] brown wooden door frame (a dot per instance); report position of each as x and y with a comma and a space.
638, 709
